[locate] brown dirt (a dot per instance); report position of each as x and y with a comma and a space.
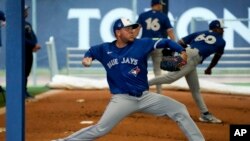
59, 114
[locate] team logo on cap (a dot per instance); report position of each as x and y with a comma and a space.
119, 25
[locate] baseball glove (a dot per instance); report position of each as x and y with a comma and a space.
172, 63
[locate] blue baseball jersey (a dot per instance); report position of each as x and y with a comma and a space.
207, 42
154, 24
127, 67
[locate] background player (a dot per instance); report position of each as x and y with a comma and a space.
155, 24
2, 24
202, 44
31, 45
127, 78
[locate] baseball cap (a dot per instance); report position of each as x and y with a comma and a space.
154, 2
216, 24
123, 22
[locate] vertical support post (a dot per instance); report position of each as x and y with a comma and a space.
15, 86
52, 57
192, 27
134, 9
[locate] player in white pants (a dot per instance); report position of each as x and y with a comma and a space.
201, 45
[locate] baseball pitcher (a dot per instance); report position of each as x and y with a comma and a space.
125, 61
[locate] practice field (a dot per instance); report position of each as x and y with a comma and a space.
58, 113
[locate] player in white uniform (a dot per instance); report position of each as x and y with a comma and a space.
201, 45
125, 61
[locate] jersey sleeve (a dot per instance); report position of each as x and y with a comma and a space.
139, 20
167, 43
221, 47
30, 36
94, 52
167, 23
188, 39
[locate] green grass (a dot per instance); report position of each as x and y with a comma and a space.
37, 90
239, 84
34, 90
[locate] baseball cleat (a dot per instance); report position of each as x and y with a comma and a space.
28, 96
209, 118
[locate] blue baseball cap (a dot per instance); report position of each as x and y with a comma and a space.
154, 2
216, 24
123, 22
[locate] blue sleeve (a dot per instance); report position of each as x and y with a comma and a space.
30, 36
167, 43
88, 54
30, 43
167, 23
189, 38
94, 52
221, 47
139, 20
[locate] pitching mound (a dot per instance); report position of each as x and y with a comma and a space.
60, 113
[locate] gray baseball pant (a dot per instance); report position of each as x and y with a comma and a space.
123, 105
190, 73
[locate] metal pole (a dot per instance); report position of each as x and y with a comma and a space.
192, 25
15, 80
134, 9
52, 57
